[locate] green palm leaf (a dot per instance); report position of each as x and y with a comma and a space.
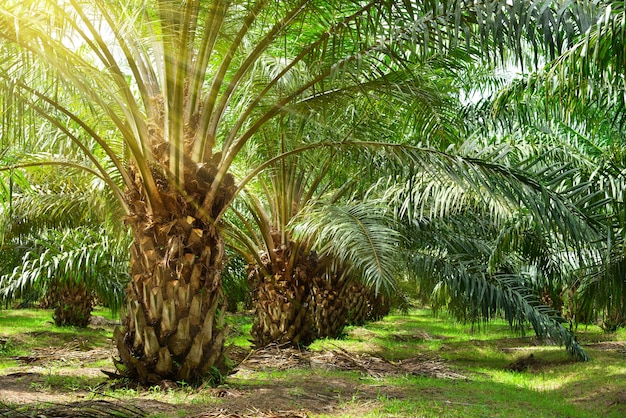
81, 255
359, 236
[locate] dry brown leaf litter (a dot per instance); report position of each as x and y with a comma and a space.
253, 413
73, 351
274, 357
84, 409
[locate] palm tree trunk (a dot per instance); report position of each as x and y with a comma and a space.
330, 312
72, 303
338, 302
295, 305
173, 324
282, 300
363, 304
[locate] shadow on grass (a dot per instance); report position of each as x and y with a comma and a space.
92, 408
337, 393
607, 398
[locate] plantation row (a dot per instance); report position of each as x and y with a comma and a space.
314, 162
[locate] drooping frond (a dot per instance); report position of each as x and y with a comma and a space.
359, 235
504, 183
504, 294
88, 256
453, 260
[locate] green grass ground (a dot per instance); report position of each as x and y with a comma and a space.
552, 385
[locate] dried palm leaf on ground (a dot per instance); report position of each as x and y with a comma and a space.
253, 413
431, 368
379, 367
522, 364
85, 409
275, 357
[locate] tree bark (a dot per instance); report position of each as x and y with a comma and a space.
72, 303
295, 303
329, 309
282, 299
363, 305
173, 324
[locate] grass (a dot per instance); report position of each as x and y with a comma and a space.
553, 386
25, 329
556, 386
241, 325
54, 382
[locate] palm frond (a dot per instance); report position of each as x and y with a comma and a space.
81, 255
505, 294
357, 234
450, 258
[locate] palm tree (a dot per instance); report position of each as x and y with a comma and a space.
595, 65
581, 95
165, 93
481, 258
70, 268
299, 280
300, 291
59, 246
573, 143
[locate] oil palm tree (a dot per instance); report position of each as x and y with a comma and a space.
165, 92
481, 257
300, 291
572, 144
578, 98
61, 250
299, 280
584, 89
70, 267
590, 143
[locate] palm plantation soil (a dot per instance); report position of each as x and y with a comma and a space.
27, 383
341, 360
53, 381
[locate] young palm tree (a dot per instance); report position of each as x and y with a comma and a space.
299, 282
55, 232
70, 267
173, 84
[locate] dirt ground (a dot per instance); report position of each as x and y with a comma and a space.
39, 379
65, 378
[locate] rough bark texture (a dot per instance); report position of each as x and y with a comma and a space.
282, 298
329, 309
72, 303
338, 302
295, 303
173, 324
363, 304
